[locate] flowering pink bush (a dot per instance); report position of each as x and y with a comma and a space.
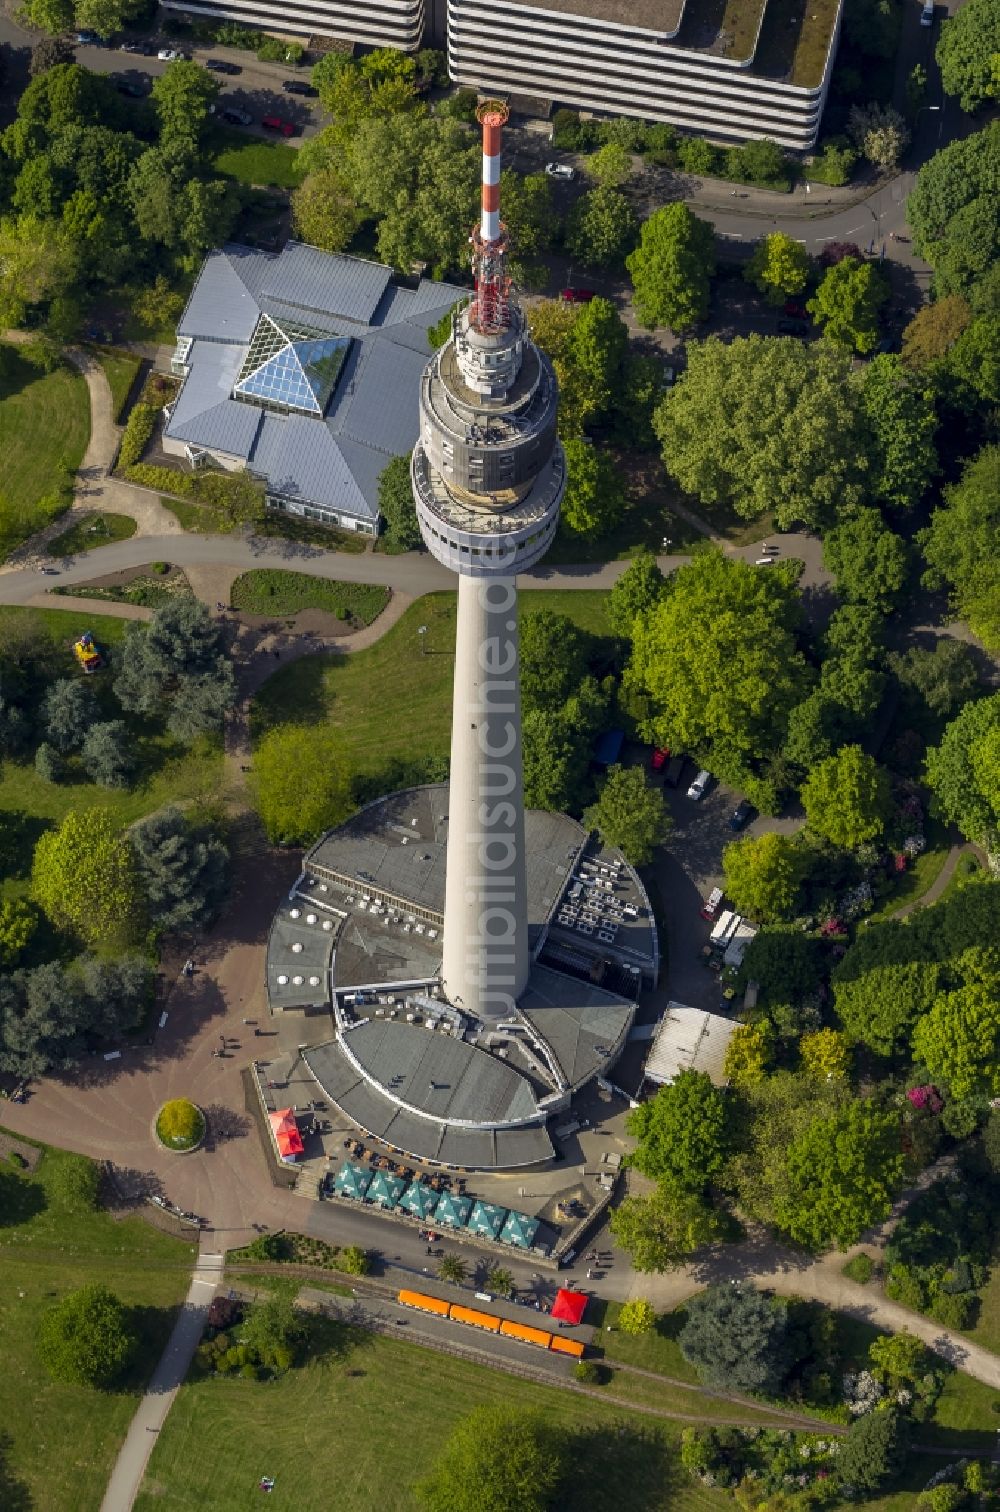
899, 862
925, 1097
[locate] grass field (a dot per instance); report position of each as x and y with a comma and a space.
252, 161
392, 701
987, 1329
90, 531
200, 519
168, 772
657, 1350
922, 872
63, 1439
120, 369
271, 591
44, 422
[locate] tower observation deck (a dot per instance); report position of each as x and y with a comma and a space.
488, 478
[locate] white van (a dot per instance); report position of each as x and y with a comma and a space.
699, 786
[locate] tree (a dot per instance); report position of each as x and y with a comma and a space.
106, 755
600, 228
846, 798
53, 16
748, 1053
973, 365
297, 812
85, 1339
899, 409
18, 923
553, 657
454, 1269
943, 679
879, 132
963, 771
639, 589
898, 1359
636, 1316
959, 546
498, 1459
83, 876
785, 963
556, 760
324, 212
717, 658
630, 815
610, 166
841, 1174
273, 1331
354, 1260
664, 1229
529, 212
934, 330
868, 560
683, 1133
959, 1039
873, 1451
765, 422
879, 1000
179, 660
672, 268
966, 53
588, 347
825, 1055
595, 493
769, 1114
184, 870
500, 1281
847, 303
182, 95
952, 210
764, 876
396, 504
49, 53
737, 1338
779, 267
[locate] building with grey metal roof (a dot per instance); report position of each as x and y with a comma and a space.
302, 367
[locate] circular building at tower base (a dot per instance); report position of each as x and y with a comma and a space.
360, 936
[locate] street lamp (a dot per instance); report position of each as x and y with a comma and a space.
422, 631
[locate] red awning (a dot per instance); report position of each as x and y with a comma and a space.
286, 1132
569, 1305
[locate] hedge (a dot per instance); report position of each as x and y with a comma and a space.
135, 437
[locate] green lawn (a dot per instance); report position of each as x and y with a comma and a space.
271, 591
90, 531
919, 876
969, 870
987, 1328
63, 1439
392, 701
369, 1416
252, 161
168, 772
657, 1350
200, 519
44, 422
120, 369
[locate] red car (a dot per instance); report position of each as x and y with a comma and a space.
796, 310
659, 758
577, 296
275, 123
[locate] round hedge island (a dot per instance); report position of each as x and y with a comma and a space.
180, 1126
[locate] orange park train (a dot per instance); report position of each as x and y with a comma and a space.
87, 654
472, 1318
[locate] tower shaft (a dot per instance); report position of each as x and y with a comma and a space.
486, 956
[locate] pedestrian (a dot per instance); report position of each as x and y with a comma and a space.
892, 236
277, 655
734, 194
256, 1034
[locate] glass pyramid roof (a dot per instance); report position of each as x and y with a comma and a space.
291, 367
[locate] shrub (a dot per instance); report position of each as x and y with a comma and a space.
354, 1260
180, 1124
136, 435
637, 1316
953, 1309
17, 1159
860, 1269
160, 567
587, 1371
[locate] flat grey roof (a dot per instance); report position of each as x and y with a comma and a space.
584, 1026
299, 978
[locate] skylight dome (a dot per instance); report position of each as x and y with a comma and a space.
290, 367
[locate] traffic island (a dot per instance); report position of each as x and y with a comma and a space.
180, 1126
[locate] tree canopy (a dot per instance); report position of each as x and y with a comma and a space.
960, 546
847, 302
953, 210
868, 560
595, 493
672, 268
958, 1040
498, 1459
765, 422
600, 227
630, 814
663, 1229
184, 869
639, 589
717, 658
177, 661
299, 787
84, 877
964, 771
85, 1339
779, 267
966, 53
902, 421
764, 876
846, 798
683, 1133
878, 1001
737, 1338
842, 1171
395, 501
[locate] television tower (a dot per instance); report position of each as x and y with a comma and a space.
488, 478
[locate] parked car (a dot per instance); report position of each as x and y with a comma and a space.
577, 296
235, 117
560, 171
90, 39
796, 310
710, 907
672, 776
659, 758
275, 123
126, 86
793, 328
699, 786
146, 49
219, 65
169, 55
741, 815
927, 14
299, 87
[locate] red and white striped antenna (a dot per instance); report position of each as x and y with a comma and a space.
490, 312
